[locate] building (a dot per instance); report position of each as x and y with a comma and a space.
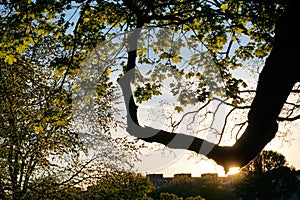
159, 180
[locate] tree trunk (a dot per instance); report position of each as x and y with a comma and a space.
274, 86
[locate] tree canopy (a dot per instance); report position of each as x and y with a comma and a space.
232, 32
58, 97
42, 144
268, 176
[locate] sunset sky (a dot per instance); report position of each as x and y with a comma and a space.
168, 164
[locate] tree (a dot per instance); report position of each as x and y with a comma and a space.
120, 185
271, 94
44, 48
168, 196
266, 177
182, 187
266, 161
195, 198
41, 151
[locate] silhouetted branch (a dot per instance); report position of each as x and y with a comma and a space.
271, 95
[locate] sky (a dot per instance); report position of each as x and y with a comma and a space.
169, 161
168, 164
172, 161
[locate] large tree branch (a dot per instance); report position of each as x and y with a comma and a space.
274, 86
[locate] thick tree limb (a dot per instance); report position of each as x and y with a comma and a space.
274, 86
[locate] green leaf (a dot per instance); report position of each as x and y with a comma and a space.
38, 129
10, 59
224, 7
176, 59
178, 109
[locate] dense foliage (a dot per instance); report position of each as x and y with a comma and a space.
120, 185
43, 147
268, 176
58, 100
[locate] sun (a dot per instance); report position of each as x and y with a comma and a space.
233, 170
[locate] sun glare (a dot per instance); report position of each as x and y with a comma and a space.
233, 170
